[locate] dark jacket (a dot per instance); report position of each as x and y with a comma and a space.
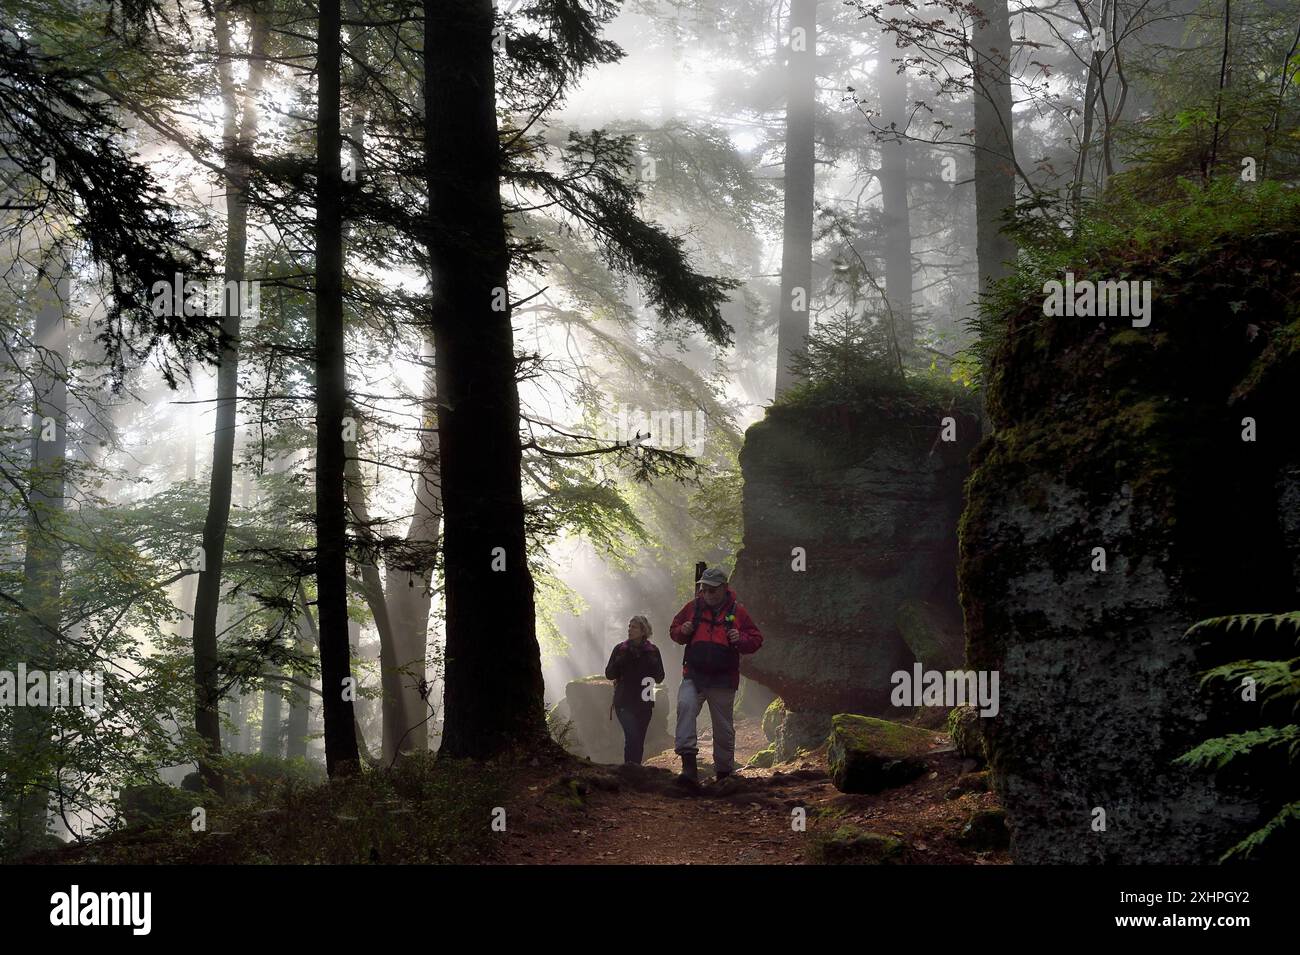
710, 659
628, 666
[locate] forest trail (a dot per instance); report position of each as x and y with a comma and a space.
638, 816
563, 810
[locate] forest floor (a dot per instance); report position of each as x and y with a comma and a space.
638, 815
549, 807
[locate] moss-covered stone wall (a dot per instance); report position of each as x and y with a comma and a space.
1131, 440
871, 494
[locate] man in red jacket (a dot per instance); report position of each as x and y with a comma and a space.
716, 631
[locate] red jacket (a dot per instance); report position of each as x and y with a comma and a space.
710, 659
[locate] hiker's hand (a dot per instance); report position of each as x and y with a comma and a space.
733, 635
688, 628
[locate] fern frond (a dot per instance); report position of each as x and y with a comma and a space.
1274, 679
1247, 621
1218, 752
1287, 817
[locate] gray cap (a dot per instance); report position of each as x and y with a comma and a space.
714, 577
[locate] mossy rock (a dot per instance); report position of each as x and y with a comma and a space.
764, 758
967, 733
569, 791
849, 845
969, 783
772, 719
935, 638
800, 733
868, 755
986, 830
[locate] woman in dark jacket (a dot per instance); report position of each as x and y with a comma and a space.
635, 667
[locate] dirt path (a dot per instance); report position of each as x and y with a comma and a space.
639, 815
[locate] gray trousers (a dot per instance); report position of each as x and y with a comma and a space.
690, 701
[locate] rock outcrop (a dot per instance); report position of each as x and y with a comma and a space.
1137, 480
800, 731
867, 755
865, 497
600, 738
967, 732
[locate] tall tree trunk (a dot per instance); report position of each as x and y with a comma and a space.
800, 181
400, 601
236, 702
995, 167
295, 733
31, 743
341, 755
409, 583
893, 188
494, 690
372, 590
272, 716
238, 137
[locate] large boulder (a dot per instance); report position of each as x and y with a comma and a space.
867, 755
870, 494
967, 733
933, 635
985, 830
1117, 501
772, 718
806, 730
601, 738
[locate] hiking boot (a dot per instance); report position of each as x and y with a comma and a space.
690, 772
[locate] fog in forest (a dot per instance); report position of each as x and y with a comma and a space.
687, 212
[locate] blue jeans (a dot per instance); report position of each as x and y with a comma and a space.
635, 722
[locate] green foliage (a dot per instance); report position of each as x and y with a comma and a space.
1284, 826
563, 731
423, 811
1179, 243
255, 777
1254, 622
1201, 127
1215, 754
714, 507
1274, 681
845, 352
